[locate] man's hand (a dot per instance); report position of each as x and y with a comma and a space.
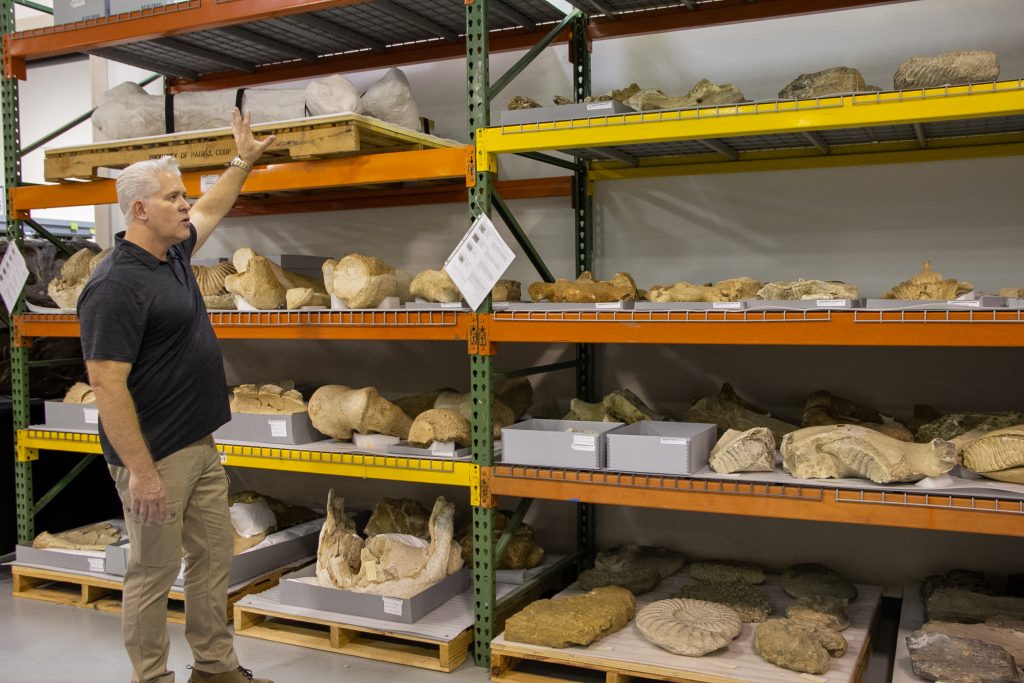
148, 495
249, 148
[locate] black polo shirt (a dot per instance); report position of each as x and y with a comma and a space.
150, 313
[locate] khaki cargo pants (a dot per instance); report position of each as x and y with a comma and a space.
198, 523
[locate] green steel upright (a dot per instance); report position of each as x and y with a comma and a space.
15, 234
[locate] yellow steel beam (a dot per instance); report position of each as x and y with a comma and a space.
1003, 98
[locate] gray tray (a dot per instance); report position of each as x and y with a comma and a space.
564, 112
574, 444
661, 447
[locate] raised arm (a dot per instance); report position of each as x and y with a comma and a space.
210, 208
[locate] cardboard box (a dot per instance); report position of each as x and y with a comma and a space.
574, 444
80, 417
78, 560
564, 112
661, 447
244, 566
405, 610
286, 430
67, 11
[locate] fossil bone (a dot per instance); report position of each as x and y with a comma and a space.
220, 302
734, 289
93, 537
522, 552
211, 278
793, 645
439, 424
729, 411
950, 68
75, 272
928, 285
800, 289
257, 284
299, 297
501, 414
399, 516
823, 408
749, 451
288, 280
337, 411
586, 290
80, 392
622, 405
575, 620
998, 455
522, 102
839, 79
704, 93
689, 627
365, 281
266, 399
507, 290
851, 451
436, 286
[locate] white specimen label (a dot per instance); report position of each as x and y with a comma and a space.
833, 303
597, 106
96, 564
207, 181
608, 304
91, 416
970, 303
278, 428
674, 441
392, 606
451, 304
727, 304
581, 442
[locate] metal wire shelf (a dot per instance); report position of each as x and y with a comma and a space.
931, 500
943, 316
354, 318
710, 316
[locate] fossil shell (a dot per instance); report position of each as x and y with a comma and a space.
689, 627
750, 602
727, 571
749, 451
211, 278
998, 455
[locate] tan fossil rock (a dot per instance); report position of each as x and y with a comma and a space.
419, 403
704, 93
299, 297
80, 392
211, 278
928, 285
839, 79
439, 424
399, 516
730, 411
501, 414
850, 451
939, 657
621, 94
750, 602
689, 627
575, 620
270, 399
621, 405
734, 289
991, 632
727, 571
287, 279
968, 607
967, 579
819, 611
522, 102
257, 284
287, 515
823, 408
586, 290
93, 537
507, 290
337, 555
814, 580
750, 451
998, 455
220, 302
634, 567
801, 289
950, 68
75, 272
796, 646
522, 552
1012, 292
436, 286
338, 411
517, 394
365, 281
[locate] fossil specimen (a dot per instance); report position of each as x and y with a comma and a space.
399, 516
436, 286
522, 102
257, 284
950, 68
576, 620
517, 394
825, 612
501, 414
298, 297
958, 578
793, 645
285, 514
288, 280
800, 289
638, 568
964, 606
998, 455
93, 537
220, 302
689, 627
729, 411
364, 281
851, 451
993, 631
337, 411
735, 289
839, 79
419, 403
390, 99
749, 451
1012, 292
621, 405
211, 278
621, 95
938, 657
586, 290
750, 602
950, 426
704, 93
823, 408
507, 290
928, 285
266, 398
80, 392
522, 552
815, 580
75, 272
439, 424
727, 571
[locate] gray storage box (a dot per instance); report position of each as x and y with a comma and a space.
78, 560
404, 610
573, 444
67, 11
244, 566
661, 447
285, 430
81, 417
564, 112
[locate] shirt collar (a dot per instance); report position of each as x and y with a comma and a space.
140, 254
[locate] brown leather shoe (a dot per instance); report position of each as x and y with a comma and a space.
239, 675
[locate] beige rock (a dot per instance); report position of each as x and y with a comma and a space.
501, 414
851, 451
1013, 292
365, 281
823, 408
80, 392
622, 405
220, 302
75, 272
419, 403
689, 627
337, 411
621, 95
522, 552
821, 612
729, 411
990, 632
522, 102
439, 424
950, 68
704, 93
749, 451
507, 290
839, 79
586, 290
257, 284
928, 285
576, 620
399, 516
337, 555
793, 645
436, 286
211, 278
93, 537
269, 399
800, 289
814, 580
298, 297
288, 280
735, 289
998, 455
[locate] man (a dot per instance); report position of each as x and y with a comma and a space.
156, 370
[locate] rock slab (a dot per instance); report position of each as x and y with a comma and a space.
938, 657
576, 620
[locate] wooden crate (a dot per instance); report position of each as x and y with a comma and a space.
103, 592
349, 639
312, 138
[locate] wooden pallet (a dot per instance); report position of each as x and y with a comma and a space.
359, 641
313, 138
103, 593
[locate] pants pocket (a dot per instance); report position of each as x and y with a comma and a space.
155, 545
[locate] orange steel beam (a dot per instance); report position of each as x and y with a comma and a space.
918, 511
841, 330
363, 169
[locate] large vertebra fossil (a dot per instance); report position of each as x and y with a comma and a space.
337, 411
365, 281
928, 285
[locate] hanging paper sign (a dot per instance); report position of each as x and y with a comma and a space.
479, 261
13, 275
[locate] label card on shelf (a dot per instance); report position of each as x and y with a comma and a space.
729, 305
833, 303
96, 564
967, 303
13, 275
583, 442
278, 428
91, 416
392, 606
479, 261
674, 441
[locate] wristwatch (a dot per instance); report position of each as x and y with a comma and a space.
241, 163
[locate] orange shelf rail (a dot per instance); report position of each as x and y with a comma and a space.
810, 502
